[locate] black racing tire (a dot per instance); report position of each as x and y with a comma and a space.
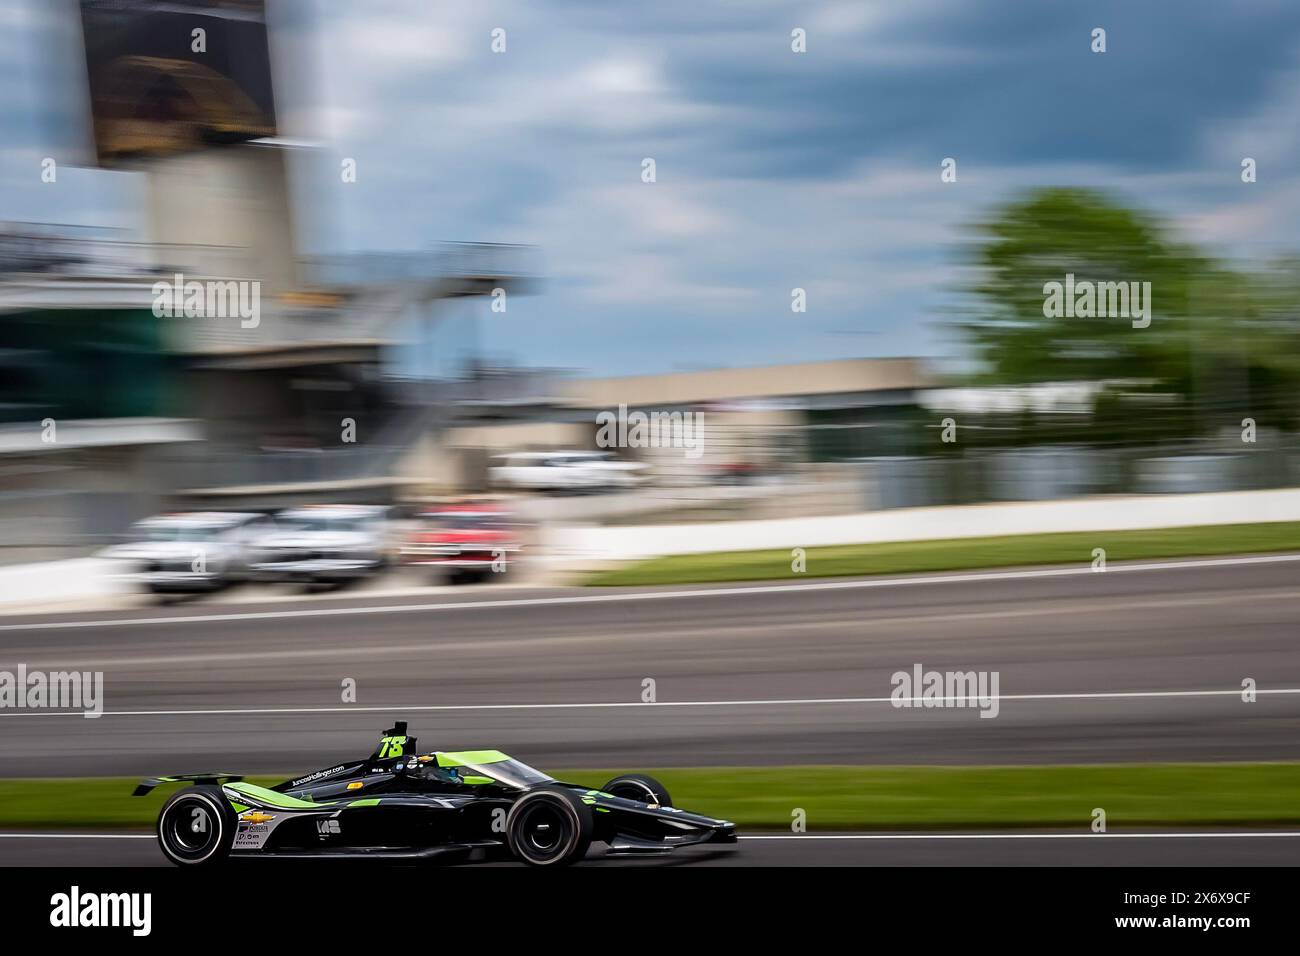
639, 786
196, 827
549, 827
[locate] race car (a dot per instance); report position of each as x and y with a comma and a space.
402, 805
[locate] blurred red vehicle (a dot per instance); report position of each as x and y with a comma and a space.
465, 541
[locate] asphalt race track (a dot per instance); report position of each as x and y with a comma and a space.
1123, 631
180, 682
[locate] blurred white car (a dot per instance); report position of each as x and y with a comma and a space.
190, 551
324, 544
565, 471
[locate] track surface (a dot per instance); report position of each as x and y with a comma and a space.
802, 851
1176, 628
1198, 626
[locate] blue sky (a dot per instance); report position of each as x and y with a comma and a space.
775, 170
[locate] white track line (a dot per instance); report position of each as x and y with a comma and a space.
1027, 836
77, 836
969, 702
653, 595
1226, 834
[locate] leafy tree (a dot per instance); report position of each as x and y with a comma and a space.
1221, 343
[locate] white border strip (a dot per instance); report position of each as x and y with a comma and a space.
701, 592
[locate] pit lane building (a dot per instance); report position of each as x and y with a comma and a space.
756, 420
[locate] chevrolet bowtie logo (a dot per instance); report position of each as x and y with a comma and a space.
256, 816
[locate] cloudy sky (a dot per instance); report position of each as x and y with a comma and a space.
775, 169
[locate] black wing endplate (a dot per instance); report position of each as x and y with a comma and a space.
214, 776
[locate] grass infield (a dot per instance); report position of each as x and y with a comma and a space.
833, 798
957, 554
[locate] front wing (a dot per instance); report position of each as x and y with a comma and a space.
631, 827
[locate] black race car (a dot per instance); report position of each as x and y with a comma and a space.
402, 805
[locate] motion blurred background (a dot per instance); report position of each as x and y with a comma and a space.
839, 263
442, 247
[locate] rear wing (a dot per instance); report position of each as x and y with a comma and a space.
214, 777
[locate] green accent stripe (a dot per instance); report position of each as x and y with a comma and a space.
368, 802
273, 798
460, 758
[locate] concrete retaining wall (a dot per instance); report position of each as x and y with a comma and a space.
583, 545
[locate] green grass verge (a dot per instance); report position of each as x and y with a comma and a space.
958, 554
853, 798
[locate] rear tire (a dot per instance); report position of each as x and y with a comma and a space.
196, 827
550, 827
641, 787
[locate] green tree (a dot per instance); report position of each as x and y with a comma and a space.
1221, 342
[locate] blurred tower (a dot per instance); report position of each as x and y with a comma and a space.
181, 91
225, 212
204, 409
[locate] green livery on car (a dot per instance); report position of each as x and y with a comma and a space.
400, 804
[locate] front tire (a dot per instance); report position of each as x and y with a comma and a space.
550, 827
641, 787
196, 827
